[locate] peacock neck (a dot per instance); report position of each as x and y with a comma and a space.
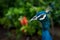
45, 24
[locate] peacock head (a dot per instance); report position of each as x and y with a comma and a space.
39, 16
43, 14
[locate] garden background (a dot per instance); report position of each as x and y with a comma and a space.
12, 10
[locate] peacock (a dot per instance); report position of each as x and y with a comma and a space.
45, 21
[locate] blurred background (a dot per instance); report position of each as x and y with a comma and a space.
11, 11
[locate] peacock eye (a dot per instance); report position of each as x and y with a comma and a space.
41, 16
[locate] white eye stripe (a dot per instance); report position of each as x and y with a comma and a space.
38, 17
43, 17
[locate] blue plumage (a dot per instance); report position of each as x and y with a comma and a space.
45, 26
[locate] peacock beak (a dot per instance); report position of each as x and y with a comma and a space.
34, 18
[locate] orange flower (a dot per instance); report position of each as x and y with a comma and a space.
24, 21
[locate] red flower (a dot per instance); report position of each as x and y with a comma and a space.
24, 21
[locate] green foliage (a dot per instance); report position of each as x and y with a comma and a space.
28, 29
13, 10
